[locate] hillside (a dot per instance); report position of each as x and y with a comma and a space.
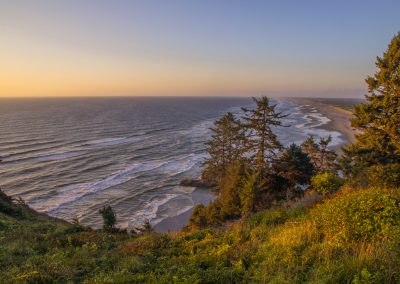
352, 237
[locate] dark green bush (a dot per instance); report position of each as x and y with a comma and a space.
109, 218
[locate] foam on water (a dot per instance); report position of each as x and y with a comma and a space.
308, 121
72, 193
56, 156
68, 152
140, 160
112, 141
183, 164
149, 211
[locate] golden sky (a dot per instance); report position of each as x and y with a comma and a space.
38, 68
105, 48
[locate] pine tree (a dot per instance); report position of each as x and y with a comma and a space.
249, 194
230, 186
109, 218
378, 119
310, 147
323, 159
294, 166
224, 147
327, 159
261, 142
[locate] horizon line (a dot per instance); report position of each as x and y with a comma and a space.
179, 96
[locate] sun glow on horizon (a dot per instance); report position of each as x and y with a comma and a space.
139, 49
40, 69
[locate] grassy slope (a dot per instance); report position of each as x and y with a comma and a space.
352, 237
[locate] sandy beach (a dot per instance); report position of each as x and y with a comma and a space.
173, 224
339, 120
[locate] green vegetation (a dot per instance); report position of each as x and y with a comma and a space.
378, 120
326, 182
294, 166
109, 218
250, 168
224, 148
263, 227
322, 158
353, 236
261, 142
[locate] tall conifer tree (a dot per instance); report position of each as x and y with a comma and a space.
261, 141
224, 147
378, 119
323, 158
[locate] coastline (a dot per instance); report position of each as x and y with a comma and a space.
339, 121
173, 224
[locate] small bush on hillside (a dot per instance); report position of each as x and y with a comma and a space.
273, 217
361, 215
8, 207
109, 218
327, 182
198, 218
295, 166
351, 238
384, 176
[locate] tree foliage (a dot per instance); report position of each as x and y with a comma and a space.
321, 156
250, 167
326, 182
241, 154
249, 193
230, 187
294, 166
109, 218
224, 147
378, 119
384, 176
261, 141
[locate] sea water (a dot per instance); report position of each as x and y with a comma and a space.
69, 157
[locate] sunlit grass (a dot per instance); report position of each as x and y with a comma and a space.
332, 242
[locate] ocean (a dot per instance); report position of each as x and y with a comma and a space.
69, 157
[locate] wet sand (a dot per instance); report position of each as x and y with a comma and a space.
339, 120
173, 224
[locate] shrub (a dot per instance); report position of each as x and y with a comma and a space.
361, 215
294, 166
384, 176
350, 238
8, 207
326, 182
109, 218
198, 218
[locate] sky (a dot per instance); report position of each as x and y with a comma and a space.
192, 48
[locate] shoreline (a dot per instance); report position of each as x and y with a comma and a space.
175, 223
339, 121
